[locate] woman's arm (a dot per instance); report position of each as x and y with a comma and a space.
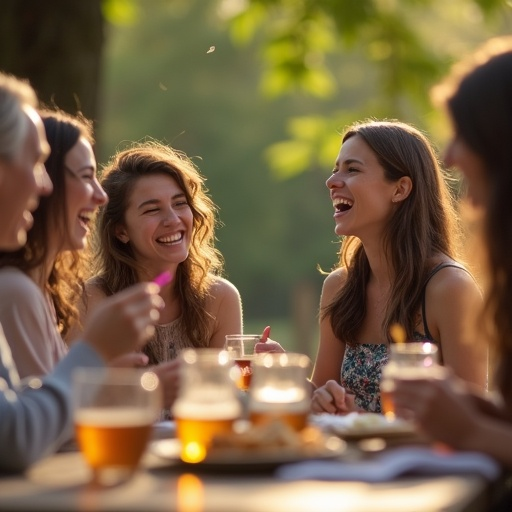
225, 305
445, 411
329, 396
453, 304
330, 351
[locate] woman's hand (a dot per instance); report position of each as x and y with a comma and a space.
266, 344
123, 322
333, 399
441, 407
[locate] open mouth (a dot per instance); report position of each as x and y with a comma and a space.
85, 219
342, 205
170, 239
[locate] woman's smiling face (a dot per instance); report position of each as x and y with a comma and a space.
84, 194
361, 195
158, 222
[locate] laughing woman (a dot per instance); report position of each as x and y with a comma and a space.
397, 264
159, 218
40, 282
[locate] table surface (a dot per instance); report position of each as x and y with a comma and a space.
62, 482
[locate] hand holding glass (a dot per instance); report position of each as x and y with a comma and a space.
408, 361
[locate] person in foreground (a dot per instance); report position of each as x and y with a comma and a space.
159, 218
479, 103
398, 264
38, 282
36, 419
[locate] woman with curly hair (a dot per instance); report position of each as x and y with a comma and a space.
159, 218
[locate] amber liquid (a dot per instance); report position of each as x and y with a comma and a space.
113, 441
387, 404
245, 366
294, 415
196, 435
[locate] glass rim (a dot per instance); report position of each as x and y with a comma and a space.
282, 359
414, 347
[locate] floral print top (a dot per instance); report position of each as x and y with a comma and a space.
362, 369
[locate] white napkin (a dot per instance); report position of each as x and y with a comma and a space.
392, 464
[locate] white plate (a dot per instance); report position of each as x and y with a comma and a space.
169, 449
362, 425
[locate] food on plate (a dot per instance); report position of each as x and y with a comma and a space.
271, 436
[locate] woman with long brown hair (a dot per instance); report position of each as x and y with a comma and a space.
398, 265
479, 103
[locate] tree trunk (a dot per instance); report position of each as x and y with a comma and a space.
57, 46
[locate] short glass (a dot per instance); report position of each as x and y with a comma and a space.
241, 350
114, 410
407, 361
207, 403
280, 389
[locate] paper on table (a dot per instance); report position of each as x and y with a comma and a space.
392, 464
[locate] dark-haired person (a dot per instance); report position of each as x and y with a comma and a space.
398, 264
478, 99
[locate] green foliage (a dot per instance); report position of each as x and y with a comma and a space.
322, 64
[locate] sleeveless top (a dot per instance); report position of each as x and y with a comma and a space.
362, 363
167, 342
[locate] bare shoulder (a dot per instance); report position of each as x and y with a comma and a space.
223, 289
333, 283
453, 280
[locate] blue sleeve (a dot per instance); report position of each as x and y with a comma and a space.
36, 420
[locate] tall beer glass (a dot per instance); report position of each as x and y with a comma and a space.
207, 403
114, 410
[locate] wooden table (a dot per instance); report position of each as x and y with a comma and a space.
60, 483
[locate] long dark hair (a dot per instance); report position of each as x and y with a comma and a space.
478, 96
66, 276
115, 265
423, 225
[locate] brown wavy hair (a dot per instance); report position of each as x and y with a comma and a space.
65, 282
115, 265
478, 97
423, 225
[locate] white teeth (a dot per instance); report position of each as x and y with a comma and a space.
341, 200
170, 239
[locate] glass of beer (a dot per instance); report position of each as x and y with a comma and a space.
406, 360
280, 389
207, 402
241, 349
114, 410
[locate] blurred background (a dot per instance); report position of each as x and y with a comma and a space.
257, 92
